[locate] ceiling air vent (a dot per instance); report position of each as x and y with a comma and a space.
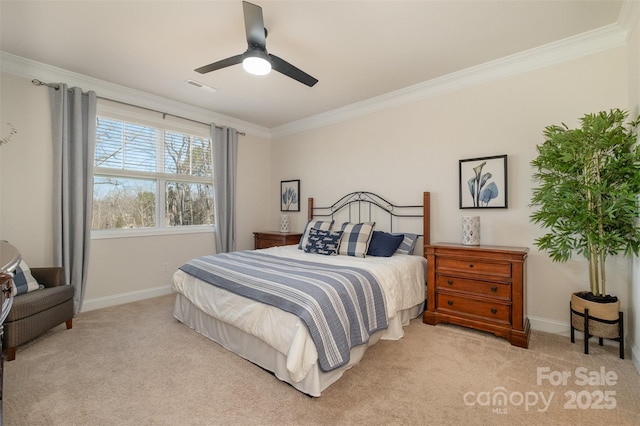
200, 85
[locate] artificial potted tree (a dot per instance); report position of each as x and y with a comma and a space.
587, 199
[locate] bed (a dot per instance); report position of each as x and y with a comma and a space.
231, 298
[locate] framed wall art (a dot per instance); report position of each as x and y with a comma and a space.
483, 183
290, 195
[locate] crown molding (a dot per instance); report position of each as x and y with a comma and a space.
601, 39
26, 68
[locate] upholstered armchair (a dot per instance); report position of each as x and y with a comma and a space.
36, 312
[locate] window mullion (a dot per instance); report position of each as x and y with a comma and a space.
161, 214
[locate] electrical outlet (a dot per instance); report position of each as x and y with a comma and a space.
165, 267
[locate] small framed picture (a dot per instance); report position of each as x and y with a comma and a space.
483, 183
290, 195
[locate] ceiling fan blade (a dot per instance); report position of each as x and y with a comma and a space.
220, 64
254, 25
289, 70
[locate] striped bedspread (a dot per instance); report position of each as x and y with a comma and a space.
340, 305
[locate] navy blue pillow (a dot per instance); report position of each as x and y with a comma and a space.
384, 244
323, 242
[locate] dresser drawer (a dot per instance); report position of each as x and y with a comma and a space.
492, 289
273, 239
488, 310
267, 242
497, 269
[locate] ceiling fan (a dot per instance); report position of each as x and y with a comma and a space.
255, 59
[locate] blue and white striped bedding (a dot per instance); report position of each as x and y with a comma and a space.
239, 323
341, 305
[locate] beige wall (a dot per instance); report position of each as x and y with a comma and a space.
401, 152
26, 170
121, 269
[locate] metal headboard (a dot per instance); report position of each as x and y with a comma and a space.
360, 204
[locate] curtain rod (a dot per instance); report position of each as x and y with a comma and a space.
37, 82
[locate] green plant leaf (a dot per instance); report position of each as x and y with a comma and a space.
588, 186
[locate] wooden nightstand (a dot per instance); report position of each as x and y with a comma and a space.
481, 287
275, 238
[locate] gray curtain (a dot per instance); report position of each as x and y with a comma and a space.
225, 157
73, 116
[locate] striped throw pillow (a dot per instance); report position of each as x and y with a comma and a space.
408, 243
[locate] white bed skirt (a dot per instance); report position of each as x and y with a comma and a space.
265, 356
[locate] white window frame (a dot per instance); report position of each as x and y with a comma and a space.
126, 113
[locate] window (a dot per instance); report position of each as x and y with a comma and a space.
151, 177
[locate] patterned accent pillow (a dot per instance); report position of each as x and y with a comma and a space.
23, 281
323, 242
356, 238
408, 243
322, 225
384, 244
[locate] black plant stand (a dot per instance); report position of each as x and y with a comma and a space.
587, 336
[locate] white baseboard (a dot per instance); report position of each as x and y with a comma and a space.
550, 326
119, 299
561, 328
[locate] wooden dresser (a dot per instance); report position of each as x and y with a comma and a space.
481, 287
275, 238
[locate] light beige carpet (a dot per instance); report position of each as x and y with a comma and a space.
136, 365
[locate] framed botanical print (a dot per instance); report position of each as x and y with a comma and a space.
483, 183
290, 195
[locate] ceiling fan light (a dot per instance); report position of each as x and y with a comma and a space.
256, 65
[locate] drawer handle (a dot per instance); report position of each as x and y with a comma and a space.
471, 265
449, 302
494, 288
450, 282
494, 310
